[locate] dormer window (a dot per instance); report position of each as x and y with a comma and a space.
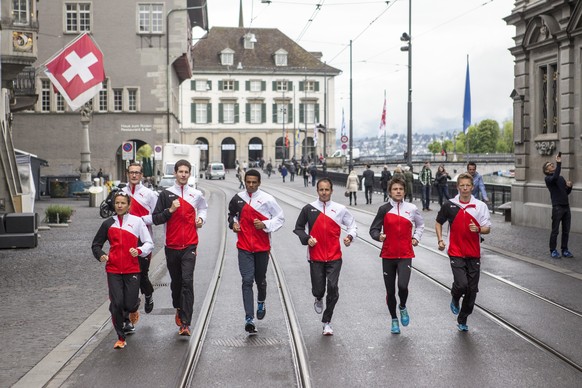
281, 58
227, 57
249, 41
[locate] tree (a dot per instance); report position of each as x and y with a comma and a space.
483, 138
505, 143
435, 147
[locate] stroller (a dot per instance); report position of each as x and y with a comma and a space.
107, 207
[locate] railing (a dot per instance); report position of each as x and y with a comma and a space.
24, 83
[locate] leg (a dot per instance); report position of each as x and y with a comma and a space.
131, 283
261, 264
460, 280
175, 269
389, 270
332, 272
246, 266
145, 285
404, 269
115, 286
473, 271
317, 272
556, 218
188, 263
566, 222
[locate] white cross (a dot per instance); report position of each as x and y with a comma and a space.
80, 67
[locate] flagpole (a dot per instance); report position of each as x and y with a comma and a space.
351, 162
383, 113
467, 106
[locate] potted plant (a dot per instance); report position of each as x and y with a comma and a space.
58, 214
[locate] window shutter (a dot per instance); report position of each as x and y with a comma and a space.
301, 113
316, 113
235, 85
236, 116
275, 111
317, 86
301, 86
221, 113
263, 113
289, 113
247, 85
290, 86
263, 86
220, 85
193, 113
209, 113
248, 113
274, 86
209, 85
192, 85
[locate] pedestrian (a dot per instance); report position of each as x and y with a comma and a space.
395, 223
479, 191
441, 179
100, 174
409, 178
183, 209
269, 169
384, 179
425, 179
368, 177
253, 215
143, 203
245, 166
292, 171
305, 173
283, 172
352, 184
559, 190
324, 219
398, 173
313, 172
240, 175
468, 219
128, 238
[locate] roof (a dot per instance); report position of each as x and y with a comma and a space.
206, 52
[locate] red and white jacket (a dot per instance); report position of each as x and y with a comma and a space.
180, 226
324, 221
143, 202
122, 232
244, 208
400, 222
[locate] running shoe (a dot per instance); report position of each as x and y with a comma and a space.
149, 303
120, 344
134, 317
184, 330
462, 327
454, 307
177, 318
567, 253
261, 310
327, 329
555, 254
404, 318
128, 328
318, 305
250, 326
395, 327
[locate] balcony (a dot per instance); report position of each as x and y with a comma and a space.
24, 92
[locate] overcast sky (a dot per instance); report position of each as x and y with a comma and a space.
443, 32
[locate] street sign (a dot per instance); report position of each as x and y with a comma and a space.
128, 150
344, 146
158, 152
344, 139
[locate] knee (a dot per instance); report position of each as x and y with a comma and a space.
247, 281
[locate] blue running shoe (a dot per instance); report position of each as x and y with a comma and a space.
395, 327
250, 326
454, 307
566, 253
261, 310
404, 318
555, 254
462, 327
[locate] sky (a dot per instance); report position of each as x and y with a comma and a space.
444, 33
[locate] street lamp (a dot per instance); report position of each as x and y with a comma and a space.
283, 139
407, 37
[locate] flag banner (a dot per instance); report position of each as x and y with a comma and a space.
343, 130
297, 139
77, 71
467, 102
382, 128
315, 133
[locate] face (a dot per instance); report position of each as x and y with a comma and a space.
134, 174
251, 183
472, 170
182, 175
121, 204
324, 191
465, 186
397, 192
550, 168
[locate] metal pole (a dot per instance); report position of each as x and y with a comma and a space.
351, 163
325, 113
284, 146
409, 110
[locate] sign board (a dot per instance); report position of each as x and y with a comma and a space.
344, 139
203, 147
255, 147
229, 147
128, 150
344, 146
158, 152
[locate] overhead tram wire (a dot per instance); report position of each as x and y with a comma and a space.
310, 20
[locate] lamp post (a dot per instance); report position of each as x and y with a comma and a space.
283, 139
407, 37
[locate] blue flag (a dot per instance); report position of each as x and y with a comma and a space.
467, 104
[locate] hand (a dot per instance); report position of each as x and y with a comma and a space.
347, 241
568, 183
474, 228
312, 241
414, 242
236, 227
104, 258
134, 252
199, 222
175, 205
382, 237
259, 224
441, 245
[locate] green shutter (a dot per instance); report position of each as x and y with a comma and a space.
301, 113
235, 85
263, 113
274, 113
248, 113
263, 85
301, 86
220, 85
236, 114
317, 86
221, 113
290, 86
316, 113
289, 113
274, 86
209, 113
247, 86
209, 85
192, 85
193, 113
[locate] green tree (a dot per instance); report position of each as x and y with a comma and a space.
483, 138
505, 143
435, 147
145, 151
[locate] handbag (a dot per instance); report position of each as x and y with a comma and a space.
347, 193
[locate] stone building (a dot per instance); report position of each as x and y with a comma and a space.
547, 105
254, 94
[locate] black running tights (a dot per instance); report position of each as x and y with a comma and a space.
392, 267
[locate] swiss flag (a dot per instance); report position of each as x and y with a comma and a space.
77, 71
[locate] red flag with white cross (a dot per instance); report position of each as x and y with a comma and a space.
77, 71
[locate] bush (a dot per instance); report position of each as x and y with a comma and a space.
58, 214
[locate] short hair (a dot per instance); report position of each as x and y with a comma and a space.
471, 164
325, 180
367, 166
134, 164
545, 167
121, 193
397, 181
465, 175
182, 162
253, 172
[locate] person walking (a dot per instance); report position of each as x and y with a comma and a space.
253, 215
143, 203
409, 178
183, 210
240, 175
479, 191
441, 179
368, 177
269, 169
128, 238
313, 172
283, 172
559, 190
468, 219
352, 184
394, 224
305, 173
323, 219
425, 179
384, 179
292, 171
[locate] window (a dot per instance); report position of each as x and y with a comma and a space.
227, 57
60, 102
249, 41
281, 86
117, 100
20, 12
281, 113
150, 18
77, 17
256, 113
310, 86
132, 100
228, 85
308, 113
549, 98
201, 113
103, 98
228, 113
201, 85
281, 58
256, 86
45, 99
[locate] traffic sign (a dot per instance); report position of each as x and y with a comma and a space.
344, 139
128, 150
158, 152
344, 146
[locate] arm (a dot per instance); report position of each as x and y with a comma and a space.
350, 222
300, 227
232, 213
99, 240
152, 201
162, 212
438, 228
277, 217
201, 209
418, 226
378, 224
147, 245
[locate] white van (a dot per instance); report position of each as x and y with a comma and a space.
215, 170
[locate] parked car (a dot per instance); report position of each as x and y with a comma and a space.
215, 170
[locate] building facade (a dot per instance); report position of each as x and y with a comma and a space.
147, 54
547, 105
256, 94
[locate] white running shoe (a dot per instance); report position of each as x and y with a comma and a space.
327, 330
318, 305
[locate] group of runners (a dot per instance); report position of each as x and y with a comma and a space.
253, 215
